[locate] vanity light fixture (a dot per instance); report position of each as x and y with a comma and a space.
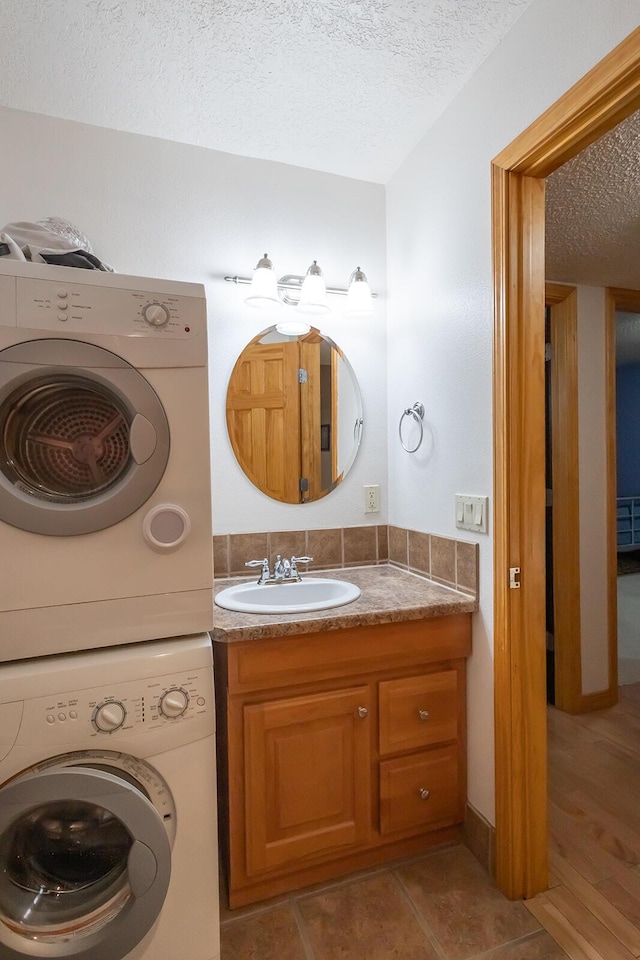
359, 294
307, 294
264, 286
313, 295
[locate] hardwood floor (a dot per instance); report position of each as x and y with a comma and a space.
593, 907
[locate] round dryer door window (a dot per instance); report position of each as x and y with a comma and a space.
85, 863
84, 437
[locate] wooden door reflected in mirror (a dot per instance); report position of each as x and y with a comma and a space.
294, 415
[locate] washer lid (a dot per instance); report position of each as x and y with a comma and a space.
85, 864
84, 440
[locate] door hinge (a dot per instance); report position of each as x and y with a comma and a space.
514, 578
303, 376
304, 485
547, 351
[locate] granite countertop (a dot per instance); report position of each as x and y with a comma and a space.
389, 595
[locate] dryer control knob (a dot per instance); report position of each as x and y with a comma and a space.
109, 716
173, 703
155, 314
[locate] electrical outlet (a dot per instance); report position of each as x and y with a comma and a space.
372, 498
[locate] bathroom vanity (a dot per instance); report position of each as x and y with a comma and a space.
341, 735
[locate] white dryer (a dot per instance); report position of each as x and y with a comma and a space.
105, 504
108, 834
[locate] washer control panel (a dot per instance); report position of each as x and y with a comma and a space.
128, 708
47, 305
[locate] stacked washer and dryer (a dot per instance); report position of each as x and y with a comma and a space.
108, 837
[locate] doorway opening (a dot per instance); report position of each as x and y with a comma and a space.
606, 95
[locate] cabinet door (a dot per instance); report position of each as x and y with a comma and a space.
307, 777
418, 711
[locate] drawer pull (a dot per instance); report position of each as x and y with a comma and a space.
423, 793
423, 714
363, 712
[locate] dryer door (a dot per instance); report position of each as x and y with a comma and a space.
84, 439
85, 863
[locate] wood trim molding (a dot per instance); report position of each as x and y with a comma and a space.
563, 301
606, 95
609, 93
622, 299
519, 495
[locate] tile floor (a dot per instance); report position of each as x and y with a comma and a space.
439, 906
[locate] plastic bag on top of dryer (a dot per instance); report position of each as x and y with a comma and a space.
54, 241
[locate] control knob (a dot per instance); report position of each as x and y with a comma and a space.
173, 703
109, 716
155, 314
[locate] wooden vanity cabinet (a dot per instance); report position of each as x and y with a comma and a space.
339, 750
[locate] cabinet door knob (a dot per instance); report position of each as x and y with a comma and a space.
363, 712
423, 793
423, 714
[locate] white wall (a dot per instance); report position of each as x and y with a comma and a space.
157, 208
440, 296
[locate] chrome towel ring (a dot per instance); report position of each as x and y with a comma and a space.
417, 412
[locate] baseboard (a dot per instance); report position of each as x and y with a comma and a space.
598, 701
479, 836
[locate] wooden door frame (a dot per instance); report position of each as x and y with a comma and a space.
609, 93
562, 302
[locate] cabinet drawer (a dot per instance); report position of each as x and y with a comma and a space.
419, 791
418, 711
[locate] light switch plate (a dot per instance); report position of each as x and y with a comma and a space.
472, 513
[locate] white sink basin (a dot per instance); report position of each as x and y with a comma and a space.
304, 596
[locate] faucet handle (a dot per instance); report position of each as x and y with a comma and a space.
301, 559
264, 574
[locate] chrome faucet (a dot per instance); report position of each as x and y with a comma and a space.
284, 571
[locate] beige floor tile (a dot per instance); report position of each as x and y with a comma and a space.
270, 935
366, 920
457, 899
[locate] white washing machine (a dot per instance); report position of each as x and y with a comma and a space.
108, 834
105, 504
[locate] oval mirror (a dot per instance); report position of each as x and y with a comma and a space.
294, 415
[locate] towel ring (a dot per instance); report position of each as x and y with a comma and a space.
417, 412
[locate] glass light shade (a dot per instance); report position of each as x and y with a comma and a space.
313, 295
264, 286
359, 300
293, 328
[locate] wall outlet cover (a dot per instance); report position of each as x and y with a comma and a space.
372, 498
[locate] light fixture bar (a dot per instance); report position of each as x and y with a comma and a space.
292, 282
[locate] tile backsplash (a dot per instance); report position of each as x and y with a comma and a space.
453, 563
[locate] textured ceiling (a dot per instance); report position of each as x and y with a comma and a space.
345, 87
593, 212
593, 223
